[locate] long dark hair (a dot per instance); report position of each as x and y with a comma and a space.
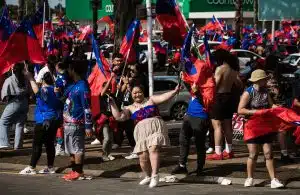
18, 72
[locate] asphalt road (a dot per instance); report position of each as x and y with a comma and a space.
12, 184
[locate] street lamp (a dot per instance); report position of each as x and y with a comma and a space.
95, 5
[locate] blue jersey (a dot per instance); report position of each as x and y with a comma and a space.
47, 105
196, 109
77, 108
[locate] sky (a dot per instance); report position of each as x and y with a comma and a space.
51, 2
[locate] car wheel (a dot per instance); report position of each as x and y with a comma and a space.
178, 111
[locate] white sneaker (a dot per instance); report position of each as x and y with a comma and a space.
209, 151
47, 170
59, 150
249, 182
111, 157
26, 130
132, 156
108, 158
95, 142
145, 181
275, 183
115, 146
154, 181
5, 147
28, 171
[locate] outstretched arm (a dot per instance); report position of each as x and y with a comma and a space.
34, 86
159, 99
119, 116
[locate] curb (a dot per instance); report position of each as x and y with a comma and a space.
137, 175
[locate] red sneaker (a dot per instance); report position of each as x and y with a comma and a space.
67, 175
73, 176
229, 155
214, 157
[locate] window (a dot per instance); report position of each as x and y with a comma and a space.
163, 85
245, 55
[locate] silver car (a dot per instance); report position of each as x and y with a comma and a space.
177, 106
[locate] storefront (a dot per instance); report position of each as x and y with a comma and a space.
198, 10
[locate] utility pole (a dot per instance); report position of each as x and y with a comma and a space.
150, 47
238, 21
95, 5
255, 11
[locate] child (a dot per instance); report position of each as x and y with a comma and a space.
105, 121
77, 118
61, 83
46, 117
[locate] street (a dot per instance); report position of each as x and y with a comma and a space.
11, 184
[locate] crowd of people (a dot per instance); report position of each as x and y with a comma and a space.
64, 118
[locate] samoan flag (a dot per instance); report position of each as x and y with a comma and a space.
6, 28
126, 48
25, 42
207, 51
217, 22
107, 19
174, 26
98, 76
85, 32
97, 54
37, 23
197, 71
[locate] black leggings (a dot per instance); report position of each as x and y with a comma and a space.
44, 134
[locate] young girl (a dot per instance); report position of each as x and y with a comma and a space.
46, 117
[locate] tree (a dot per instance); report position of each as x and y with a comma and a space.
21, 10
238, 21
255, 16
125, 13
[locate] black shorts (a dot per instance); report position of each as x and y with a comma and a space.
264, 139
223, 107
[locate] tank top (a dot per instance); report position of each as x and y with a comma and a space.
258, 99
144, 113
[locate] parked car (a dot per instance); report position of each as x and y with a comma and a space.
246, 56
292, 60
177, 106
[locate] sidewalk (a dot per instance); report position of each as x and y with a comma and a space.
234, 169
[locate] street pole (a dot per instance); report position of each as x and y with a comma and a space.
150, 47
273, 31
95, 5
21, 10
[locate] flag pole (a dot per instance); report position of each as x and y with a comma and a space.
123, 71
44, 16
150, 47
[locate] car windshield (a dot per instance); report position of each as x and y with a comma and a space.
292, 59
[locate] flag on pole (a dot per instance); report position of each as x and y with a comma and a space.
85, 32
172, 21
97, 54
199, 72
25, 42
37, 23
6, 28
126, 48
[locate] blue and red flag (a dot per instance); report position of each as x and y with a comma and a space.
207, 52
6, 28
25, 42
98, 76
107, 19
37, 23
126, 48
85, 32
199, 72
174, 26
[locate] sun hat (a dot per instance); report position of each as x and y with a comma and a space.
258, 75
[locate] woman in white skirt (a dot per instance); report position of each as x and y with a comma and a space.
150, 132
